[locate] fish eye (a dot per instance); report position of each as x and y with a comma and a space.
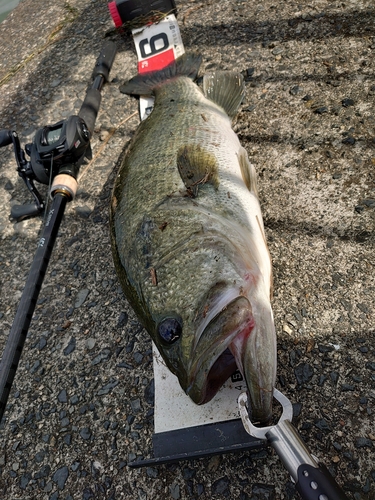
169, 330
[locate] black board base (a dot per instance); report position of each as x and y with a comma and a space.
198, 442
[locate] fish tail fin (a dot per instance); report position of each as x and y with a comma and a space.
145, 84
226, 89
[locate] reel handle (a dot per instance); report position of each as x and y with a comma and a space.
21, 212
5, 138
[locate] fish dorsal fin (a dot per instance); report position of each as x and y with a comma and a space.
146, 83
226, 89
248, 171
197, 166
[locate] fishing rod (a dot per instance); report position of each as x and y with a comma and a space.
56, 155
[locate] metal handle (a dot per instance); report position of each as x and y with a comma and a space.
313, 480
288, 444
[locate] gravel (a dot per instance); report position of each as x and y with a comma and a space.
82, 403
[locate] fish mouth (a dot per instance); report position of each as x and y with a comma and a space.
235, 339
215, 361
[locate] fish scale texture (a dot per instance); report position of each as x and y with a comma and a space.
150, 186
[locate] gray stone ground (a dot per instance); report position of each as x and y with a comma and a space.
81, 406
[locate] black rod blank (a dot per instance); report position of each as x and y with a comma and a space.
18, 332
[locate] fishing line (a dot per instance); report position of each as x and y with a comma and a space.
47, 202
111, 133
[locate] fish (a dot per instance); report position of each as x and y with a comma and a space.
188, 237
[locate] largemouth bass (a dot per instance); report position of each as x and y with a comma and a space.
188, 238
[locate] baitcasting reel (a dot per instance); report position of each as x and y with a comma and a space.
56, 149
59, 149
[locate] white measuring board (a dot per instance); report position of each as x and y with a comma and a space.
175, 410
157, 46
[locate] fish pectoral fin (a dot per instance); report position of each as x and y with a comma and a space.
248, 171
197, 166
226, 89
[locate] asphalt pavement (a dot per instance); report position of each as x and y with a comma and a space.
81, 407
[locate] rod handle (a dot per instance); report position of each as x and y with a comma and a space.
89, 109
105, 60
90, 106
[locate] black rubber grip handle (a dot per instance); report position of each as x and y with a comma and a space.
90, 107
317, 484
5, 138
91, 104
105, 60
